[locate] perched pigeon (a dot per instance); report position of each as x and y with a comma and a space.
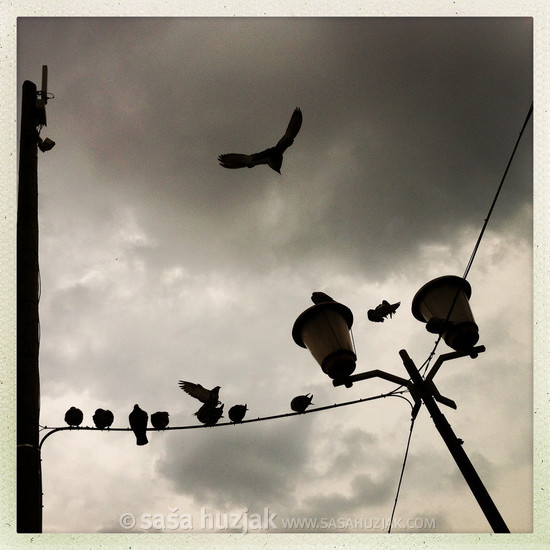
160, 420
74, 417
202, 394
103, 418
236, 413
273, 156
377, 314
209, 414
301, 403
138, 422
320, 297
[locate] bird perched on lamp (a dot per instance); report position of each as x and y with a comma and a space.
301, 402
74, 417
159, 420
273, 156
138, 422
202, 394
320, 297
236, 413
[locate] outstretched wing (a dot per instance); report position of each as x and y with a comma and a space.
195, 390
292, 130
235, 160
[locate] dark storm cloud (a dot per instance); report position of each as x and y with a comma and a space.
413, 119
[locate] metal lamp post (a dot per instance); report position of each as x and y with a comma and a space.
432, 304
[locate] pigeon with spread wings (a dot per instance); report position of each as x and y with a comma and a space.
380, 312
210, 397
273, 156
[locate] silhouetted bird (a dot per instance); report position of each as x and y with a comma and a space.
236, 413
301, 403
202, 394
377, 314
159, 420
209, 414
273, 156
103, 418
320, 297
138, 422
74, 417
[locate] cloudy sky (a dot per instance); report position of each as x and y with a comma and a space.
157, 264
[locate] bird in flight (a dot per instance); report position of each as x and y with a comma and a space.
138, 422
301, 403
381, 311
273, 156
210, 397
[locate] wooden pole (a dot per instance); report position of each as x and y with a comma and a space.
29, 476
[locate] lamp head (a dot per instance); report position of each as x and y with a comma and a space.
443, 304
324, 329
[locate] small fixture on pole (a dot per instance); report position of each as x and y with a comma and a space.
324, 329
443, 305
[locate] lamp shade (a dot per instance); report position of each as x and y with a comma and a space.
324, 329
443, 304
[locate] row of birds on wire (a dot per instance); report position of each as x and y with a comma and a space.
211, 409
209, 413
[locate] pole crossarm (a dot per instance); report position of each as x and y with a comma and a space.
473, 353
377, 373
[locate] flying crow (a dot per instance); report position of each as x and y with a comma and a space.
138, 422
273, 156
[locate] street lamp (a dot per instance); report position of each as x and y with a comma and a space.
443, 305
324, 329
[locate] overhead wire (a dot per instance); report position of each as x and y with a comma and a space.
426, 363
413, 418
485, 223
220, 424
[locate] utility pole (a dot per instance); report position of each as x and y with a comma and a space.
29, 476
454, 444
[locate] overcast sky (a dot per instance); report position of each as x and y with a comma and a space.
157, 264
